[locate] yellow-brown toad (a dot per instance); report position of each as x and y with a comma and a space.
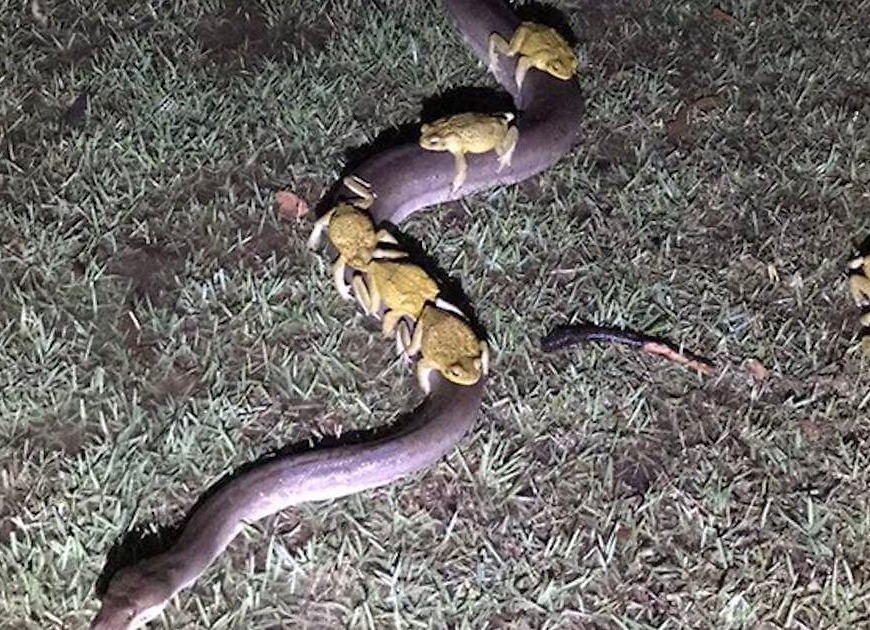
471, 132
447, 343
351, 232
401, 286
540, 47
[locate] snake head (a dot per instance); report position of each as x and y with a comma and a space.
134, 597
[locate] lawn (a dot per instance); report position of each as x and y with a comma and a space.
161, 324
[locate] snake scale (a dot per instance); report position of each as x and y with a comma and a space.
407, 179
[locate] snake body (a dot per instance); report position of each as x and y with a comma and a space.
138, 593
407, 179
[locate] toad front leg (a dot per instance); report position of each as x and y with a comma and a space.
461, 170
424, 369
505, 148
498, 44
424, 365
523, 66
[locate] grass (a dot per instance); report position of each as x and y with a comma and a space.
162, 326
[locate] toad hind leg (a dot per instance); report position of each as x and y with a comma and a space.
383, 236
317, 230
505, 148
391, 320
497, 44
338, 278
367, 295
